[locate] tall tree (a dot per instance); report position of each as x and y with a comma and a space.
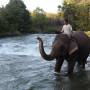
18, 16
39, 18
4, 25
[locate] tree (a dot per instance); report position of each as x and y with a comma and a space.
59, 11
78, 14
4, 24
69, 13
39, 19
18, 16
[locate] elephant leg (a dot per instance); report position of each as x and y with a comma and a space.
83, 65
71, 65
84, 60
71, 62
79, 63
58, 64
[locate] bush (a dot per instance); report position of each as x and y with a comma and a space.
14, 18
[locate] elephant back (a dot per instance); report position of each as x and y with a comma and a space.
81, 38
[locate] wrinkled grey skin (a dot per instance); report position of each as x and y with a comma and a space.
60, 51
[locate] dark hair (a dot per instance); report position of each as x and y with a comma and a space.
66, 20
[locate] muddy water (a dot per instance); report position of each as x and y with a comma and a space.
22, 68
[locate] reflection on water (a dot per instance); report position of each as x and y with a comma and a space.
79, 81
22, 68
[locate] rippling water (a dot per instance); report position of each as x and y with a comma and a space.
22, 68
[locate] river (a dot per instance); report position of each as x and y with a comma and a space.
22, 68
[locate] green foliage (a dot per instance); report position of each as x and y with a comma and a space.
78, 15
39, 19
3, 21
60, 13
14, 17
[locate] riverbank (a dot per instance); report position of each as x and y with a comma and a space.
10, 34
17, 33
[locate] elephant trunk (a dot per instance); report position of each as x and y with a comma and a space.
42, 52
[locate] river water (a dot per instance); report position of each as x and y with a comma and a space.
22, 68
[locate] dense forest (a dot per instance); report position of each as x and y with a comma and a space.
15, 19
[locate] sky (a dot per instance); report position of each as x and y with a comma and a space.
46, 5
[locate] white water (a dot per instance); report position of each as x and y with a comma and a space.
25, 45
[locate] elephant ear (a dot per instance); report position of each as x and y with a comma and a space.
73, 47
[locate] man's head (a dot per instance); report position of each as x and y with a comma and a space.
66, 21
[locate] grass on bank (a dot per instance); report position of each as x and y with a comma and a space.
88, 33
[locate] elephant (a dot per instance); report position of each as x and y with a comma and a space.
60, 51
